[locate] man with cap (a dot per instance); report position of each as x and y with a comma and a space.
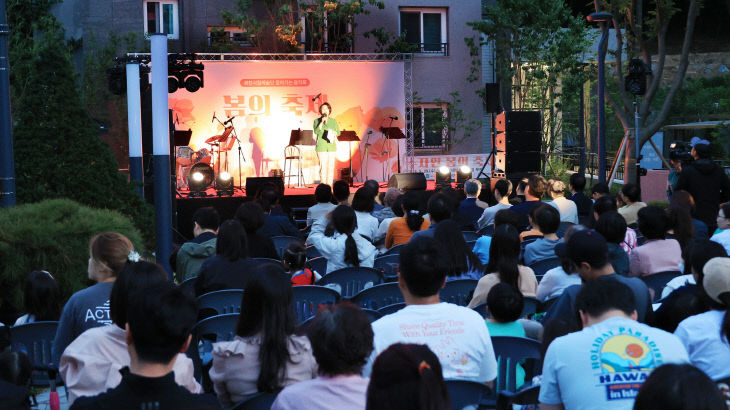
706, 182
705, 335
589, 252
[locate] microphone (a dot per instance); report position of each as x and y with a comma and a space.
213, 119
316, 97
393, 118
228, 121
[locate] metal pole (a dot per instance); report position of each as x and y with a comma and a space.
602, 103
581, 122
7, 163
636, 142
161, 152
134, 124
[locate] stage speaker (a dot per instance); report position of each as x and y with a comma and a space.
254, 185
491, 98
518, 142
412, 181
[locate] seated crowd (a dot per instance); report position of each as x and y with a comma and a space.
628, 303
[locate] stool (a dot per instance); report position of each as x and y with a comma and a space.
293, 153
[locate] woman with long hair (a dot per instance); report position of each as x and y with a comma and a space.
401, 230
346, 247
363, 204
504, 267
41, 298
265, 354
657, 254
462, 262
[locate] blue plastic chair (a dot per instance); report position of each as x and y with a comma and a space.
395, 250
527, 394
318, 265
36, 341
312, 252
466, 393
542, 266
308, 298
270, 260
458, 292
378, 296
511, 351
386, 310
388, 266
281, 242
352, 280
470, 235
220, 302
257, 401
219, 328
373, 315
188, 286
657, 281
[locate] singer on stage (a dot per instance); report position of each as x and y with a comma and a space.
326, 128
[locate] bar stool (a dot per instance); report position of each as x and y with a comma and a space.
293, 153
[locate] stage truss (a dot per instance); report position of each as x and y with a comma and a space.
407, 60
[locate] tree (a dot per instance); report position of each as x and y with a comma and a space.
640, 30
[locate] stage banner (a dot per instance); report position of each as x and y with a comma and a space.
268, 99
431, 163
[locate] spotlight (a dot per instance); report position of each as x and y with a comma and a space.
183, 71
172, 84
443, 176
199, 179
463, 174
224, 184
193, 83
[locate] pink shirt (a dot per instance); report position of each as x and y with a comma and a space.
90, 364
655, 256
324, 393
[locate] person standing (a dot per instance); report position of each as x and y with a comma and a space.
327, 130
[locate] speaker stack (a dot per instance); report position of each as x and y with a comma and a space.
518, 143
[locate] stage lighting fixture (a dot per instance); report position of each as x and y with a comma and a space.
199, 179
463, 174
224, 184
172, 84
183, 71
443, 176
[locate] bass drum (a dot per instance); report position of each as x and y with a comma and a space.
200, 176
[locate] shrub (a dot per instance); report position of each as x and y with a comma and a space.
52, 235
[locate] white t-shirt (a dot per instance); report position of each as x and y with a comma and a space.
700, 334
723, 238
457, 335
367, 225
567, 208
554, 282
604, 365
318, 211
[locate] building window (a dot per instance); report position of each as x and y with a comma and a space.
425, 28
161, 17
429, 127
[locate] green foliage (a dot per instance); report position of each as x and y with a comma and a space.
244, 19
387, 42
52, 235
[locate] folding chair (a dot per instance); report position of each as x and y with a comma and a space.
281, 242
220, 302
36, 341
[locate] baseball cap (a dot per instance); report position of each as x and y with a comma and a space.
716, 279
697, 140
584, 246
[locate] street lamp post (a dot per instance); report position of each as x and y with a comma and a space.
602, 19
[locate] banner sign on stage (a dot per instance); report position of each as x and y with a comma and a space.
269, 99
430, 164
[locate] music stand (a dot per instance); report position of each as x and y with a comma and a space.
302, 137
182, 138
349, 137
394, 133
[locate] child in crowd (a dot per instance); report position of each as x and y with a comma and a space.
295, 262
505, 304
41, 298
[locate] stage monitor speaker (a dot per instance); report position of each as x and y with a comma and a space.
518, 131
254, 185
518, 163
412, 181
491, 98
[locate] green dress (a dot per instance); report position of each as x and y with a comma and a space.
334, 132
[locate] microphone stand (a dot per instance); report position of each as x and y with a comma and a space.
240, 155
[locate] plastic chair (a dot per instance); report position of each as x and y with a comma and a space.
458, 292
386, 310
373, 315
220, 302
257, 401
510, 351
352, 280
318, 265
206, 332
542, 266
307, 300
466, 393
293, 153
36, 341
281, 242
562, 228
470, 235
378, 296
188, 286
656, 282
388, 266
487, 230
312, 252
527, 394
395, 250
269, 260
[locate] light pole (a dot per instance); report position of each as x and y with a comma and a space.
602, 19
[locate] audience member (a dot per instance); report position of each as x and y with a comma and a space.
577, 185
158, 323
723, 224
546, 219
504, 267
657, 254
346, 247
605, 204
41, 298
15, 376
599, 189
295, 263
373, 187
341, 192
520, 192
631, 196
407, 377
468, 208
323, 196
341, 340
679, 387
230, 268
388, 200
567, 208
192, 254
534, 192
276, 222
681, 228
683, 200
502, 190
557, 279
440, 208
401, 229
706, 335
422, 273
265, 354
484, 242
91, 364
604, 365
88, 308
362, 204
251, 216
588, 252
461, 261
505, 305
613, 227
397, 208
